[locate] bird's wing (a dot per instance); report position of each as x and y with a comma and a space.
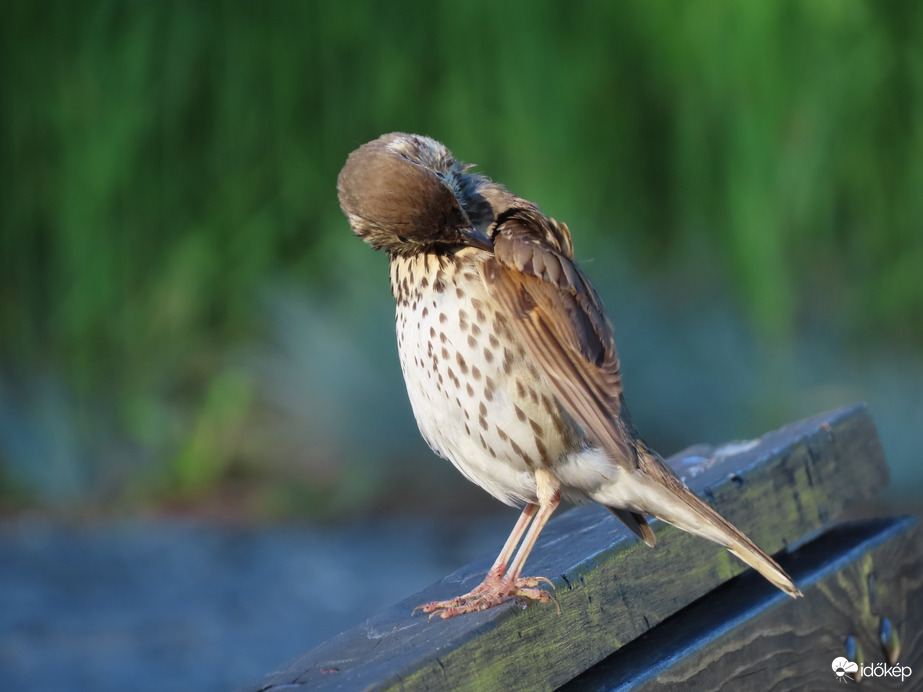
555, 312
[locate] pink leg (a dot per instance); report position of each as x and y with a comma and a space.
544, 514
515, 536
497, 587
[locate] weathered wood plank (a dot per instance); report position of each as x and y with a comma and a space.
859, 580
781, 490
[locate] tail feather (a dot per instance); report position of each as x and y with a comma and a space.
654, 489
637, 523
741, 546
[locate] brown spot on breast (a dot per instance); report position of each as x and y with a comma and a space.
445, 353
475, 373
462, 365
442, 318
488, 355
536, 428
469, 389
520, 414
502, 326
518, 450
548, 406
561, 429
507, 361
497, 326
472, 342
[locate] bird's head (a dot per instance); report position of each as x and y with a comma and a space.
406, 193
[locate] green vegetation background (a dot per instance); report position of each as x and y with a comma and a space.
186, 321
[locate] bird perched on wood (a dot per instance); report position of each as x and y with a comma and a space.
509, 359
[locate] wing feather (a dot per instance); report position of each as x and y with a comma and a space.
557, 315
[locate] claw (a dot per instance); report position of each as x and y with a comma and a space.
490, 593
535, 581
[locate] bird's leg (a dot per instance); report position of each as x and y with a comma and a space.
527, 586
495, 574
501, 583
499, 567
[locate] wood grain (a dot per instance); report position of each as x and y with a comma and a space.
738, 637
782, 490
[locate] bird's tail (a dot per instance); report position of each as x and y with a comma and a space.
709, 524
681, 507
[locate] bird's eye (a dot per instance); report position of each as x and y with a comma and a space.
402, 239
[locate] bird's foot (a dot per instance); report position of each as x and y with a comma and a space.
491, 592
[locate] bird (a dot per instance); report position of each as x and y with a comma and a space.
509, 359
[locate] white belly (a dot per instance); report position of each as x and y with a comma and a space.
477, 404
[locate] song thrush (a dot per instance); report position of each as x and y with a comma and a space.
509, 358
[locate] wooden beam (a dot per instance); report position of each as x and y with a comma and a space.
863, 587
782, 490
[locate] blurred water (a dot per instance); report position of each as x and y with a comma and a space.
165, 606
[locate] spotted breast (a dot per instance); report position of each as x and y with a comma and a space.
478, 401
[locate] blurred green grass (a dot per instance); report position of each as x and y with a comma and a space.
169, 193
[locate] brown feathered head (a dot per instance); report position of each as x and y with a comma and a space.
406, 193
